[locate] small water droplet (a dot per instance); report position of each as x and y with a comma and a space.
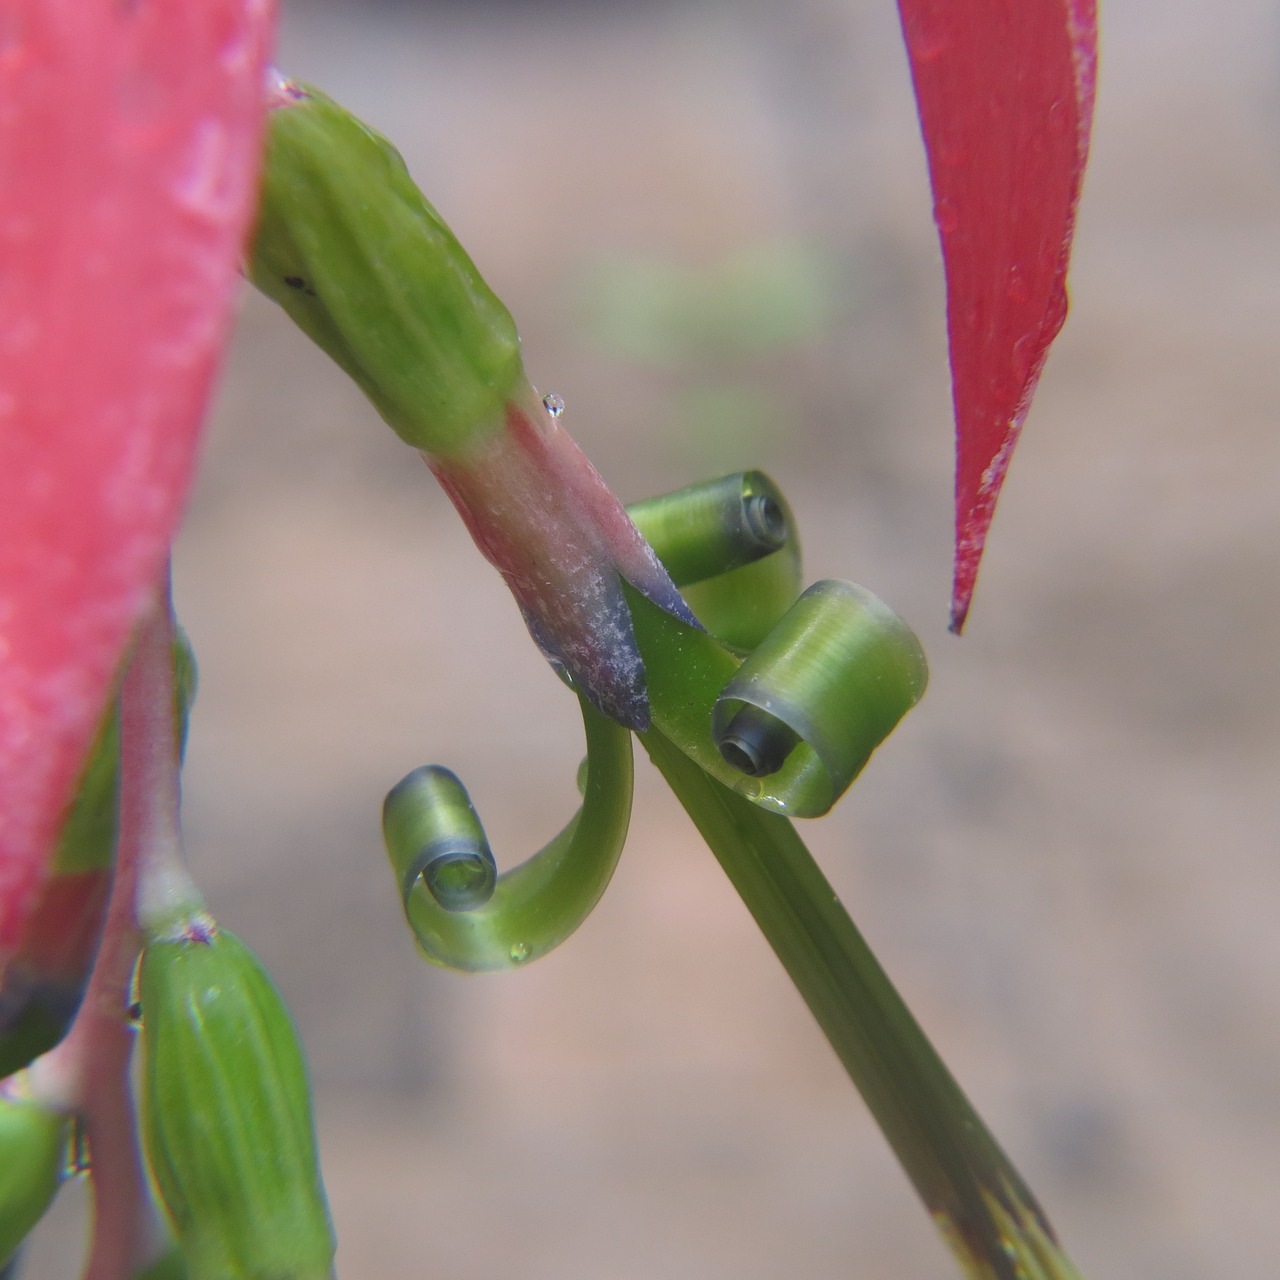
553, 404
519, 952
750, 788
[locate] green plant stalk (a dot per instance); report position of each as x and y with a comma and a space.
979, 1202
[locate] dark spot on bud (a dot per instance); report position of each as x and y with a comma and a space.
297, 282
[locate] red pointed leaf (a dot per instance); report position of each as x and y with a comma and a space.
129, 136
1005, 91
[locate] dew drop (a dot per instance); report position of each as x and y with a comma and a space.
749, 788
519, 952
553, 404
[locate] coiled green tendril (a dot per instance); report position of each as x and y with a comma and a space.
441, 859
788, 726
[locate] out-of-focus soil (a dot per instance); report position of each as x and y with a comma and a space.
1068, 857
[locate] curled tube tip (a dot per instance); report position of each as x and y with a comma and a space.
809, 706
437, 849
707, 529
793, 724
756, 743
732, 546
766, 519
460, 879
438, 840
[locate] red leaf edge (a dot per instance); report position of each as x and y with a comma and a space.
130, 137
1005, 95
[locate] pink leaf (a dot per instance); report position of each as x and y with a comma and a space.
129, 142
1005, 90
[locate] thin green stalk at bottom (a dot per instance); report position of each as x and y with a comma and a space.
979, 1202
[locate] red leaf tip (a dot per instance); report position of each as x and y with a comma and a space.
1005, 94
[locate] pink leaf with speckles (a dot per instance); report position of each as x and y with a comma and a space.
1005, 92
129, 143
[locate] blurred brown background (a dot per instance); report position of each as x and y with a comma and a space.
712, 223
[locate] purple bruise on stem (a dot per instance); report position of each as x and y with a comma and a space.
542, 515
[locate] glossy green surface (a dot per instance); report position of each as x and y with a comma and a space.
709, 528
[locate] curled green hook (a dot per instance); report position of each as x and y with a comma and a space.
782, 698
732, 548
807, 708
710, 528
437, 845
434, 834
791, 726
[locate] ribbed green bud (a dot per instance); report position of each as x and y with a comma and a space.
352, 250
33, 1141
227, 1113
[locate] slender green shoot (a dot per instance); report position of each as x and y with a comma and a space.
977, 1198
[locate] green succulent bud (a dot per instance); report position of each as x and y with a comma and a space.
353, 251
33, 1142
227, 1113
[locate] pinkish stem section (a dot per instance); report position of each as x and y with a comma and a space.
542, 515
128, 1231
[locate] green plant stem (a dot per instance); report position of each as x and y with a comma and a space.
976, 1196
